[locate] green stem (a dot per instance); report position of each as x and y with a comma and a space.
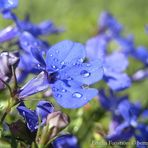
7, 85
8, 109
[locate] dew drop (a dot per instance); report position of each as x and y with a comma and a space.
85, 73
54, 89
88, 65
54, 67
23, 113
64, 90
69, 78
77, 95
59, 95
62, 63
81, 60
51, 55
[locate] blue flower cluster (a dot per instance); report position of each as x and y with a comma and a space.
69, 69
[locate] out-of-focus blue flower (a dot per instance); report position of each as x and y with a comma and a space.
111, 102
114, 64
8, 33
96, 47
29, 64
125, 116
141, 54
32, 117
11, 32
140, 75
108, 23
8, 4
67, 75
65, 141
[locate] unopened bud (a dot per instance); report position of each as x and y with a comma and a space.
58, 120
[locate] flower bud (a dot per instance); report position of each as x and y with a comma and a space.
57, 120
6, 61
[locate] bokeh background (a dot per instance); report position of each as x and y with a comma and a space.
79, 19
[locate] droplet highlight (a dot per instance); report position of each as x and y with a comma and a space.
77, 95
85, 73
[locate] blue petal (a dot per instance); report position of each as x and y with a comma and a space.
35, 85
107, 21
122, 133
8, 4
48, 27
69, 96
96, 47
21, 75
8, 33
28, 63
85, 73
64, 53
116, 62
145, 114
129, 112
140, 75
141, 54
65, 141
30, 116
117, 81
126, 44
44, 108
104, 100
28, 41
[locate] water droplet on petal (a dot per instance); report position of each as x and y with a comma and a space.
54, 89
59, 95
62, 63
88, 65
54, 67
23, 113
69, 78
64, 90
77, 95
51, 55
85, 73
81, 60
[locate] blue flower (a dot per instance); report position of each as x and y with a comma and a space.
28, 64
11, 32
67, 74
109, 23
141, 54
65, 141
114, 64
8, 4
140, 75
32, 117
125, 116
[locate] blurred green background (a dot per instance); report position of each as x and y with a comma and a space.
79, 18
